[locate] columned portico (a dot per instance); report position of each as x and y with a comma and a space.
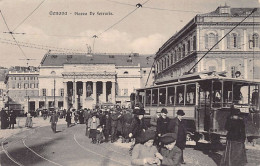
89, 89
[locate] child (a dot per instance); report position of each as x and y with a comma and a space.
169, 154
99, 134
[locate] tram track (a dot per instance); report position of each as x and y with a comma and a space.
96, 153
22, 139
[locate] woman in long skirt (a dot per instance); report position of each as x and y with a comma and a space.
93, 123
29, 122
235, 153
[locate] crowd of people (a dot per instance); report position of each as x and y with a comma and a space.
160, 141
8, 119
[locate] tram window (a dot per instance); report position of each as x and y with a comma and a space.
162, 96
216, 92
240, 93
254, 95
154, 96
180, 96
148, 97
190, 94
227, 94
171, 93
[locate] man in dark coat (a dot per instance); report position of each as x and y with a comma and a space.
126, 124
54, 120
68, 118
106, 123
12, 119
4, 119
177, 126
115, 116
162, 123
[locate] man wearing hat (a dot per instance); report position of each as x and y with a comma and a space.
169, 154
144, 153
177, 126
53, 121
162, 123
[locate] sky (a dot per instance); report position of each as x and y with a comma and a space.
125, 29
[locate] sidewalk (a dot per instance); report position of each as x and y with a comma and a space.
20, 126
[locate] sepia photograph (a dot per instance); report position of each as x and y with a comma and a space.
130, 82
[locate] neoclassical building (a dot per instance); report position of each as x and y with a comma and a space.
86, 80
239, 51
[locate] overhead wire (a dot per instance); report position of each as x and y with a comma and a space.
121, 19
28, 16
222, 39
37, 46
12, 35
154, 8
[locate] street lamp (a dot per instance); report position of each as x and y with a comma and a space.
53, 73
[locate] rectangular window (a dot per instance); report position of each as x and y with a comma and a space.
148, 97
61, 92
44, 92
19, 85
25, 85
180, 95
162, 96
154, 96
191, 94
171, 93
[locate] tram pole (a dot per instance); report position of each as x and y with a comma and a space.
222, 39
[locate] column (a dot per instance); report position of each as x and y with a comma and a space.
95, 92
245, 40
104, 92
84, 94
223, 64
223, 41
198, 39
74, 95
113, 92
245, 68
65, 95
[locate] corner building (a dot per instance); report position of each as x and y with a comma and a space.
238, 51
87, 80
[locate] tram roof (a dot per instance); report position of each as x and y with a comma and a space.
196, 77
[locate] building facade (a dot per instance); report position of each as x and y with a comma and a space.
22, 87
87, 80
3, 90
238, 52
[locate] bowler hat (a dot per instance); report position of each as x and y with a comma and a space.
168, 138
164, 110
180, 112
147, 135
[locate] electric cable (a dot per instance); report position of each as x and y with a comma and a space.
153, 8
12, 35
28, 16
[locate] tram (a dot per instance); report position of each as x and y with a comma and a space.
206, 99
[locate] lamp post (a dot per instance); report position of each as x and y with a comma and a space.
53, 73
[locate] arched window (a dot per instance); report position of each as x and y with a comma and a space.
255, 40
233, 41
126, 72
194, 43
210, 40
179, 53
